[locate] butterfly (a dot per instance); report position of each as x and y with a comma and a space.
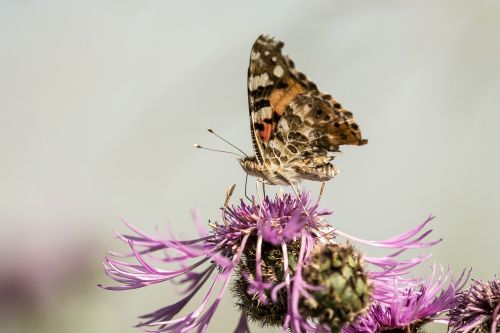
295, 128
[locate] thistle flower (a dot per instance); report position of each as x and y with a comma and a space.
269, 246
477, 310
412, 306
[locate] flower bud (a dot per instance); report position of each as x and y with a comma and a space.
344, 291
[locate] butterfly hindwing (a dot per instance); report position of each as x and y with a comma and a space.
314, 124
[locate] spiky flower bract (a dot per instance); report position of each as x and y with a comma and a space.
477, 310
268, 245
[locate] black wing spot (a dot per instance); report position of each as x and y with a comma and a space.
259, 127
262, 91
261, 103
276, 117
282, 85
319, 112
337, 105
355, 126
268, 120
292, 149
336, 124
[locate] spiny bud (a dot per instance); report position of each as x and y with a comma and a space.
345, 291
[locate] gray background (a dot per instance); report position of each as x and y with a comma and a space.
101, 101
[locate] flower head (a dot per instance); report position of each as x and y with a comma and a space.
477, 310
269, 247
411, 307
277, 221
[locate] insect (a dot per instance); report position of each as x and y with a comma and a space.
296, 129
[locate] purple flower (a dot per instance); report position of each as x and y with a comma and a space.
411, 306
279, 232
477, 310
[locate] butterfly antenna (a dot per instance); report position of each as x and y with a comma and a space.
217, 150
229, 143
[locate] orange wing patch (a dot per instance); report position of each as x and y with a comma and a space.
280, 98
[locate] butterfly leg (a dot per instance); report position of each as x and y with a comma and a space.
246, 195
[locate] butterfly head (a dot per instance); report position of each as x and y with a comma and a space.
250, 165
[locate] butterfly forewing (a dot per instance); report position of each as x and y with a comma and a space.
273, 83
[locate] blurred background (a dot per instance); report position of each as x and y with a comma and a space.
102, 100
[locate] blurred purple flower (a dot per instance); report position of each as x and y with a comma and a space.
411, 306
477, 310
278, 222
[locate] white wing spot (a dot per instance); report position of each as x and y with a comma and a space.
255, 55
257, 81
278, 71
274, 59
264, 80
266, 53
265, 112
251, 83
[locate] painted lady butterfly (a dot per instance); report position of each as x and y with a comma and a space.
294, 126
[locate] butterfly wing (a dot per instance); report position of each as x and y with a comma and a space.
313, 123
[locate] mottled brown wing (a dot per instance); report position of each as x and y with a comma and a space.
273, 83
313, 125
287, 112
